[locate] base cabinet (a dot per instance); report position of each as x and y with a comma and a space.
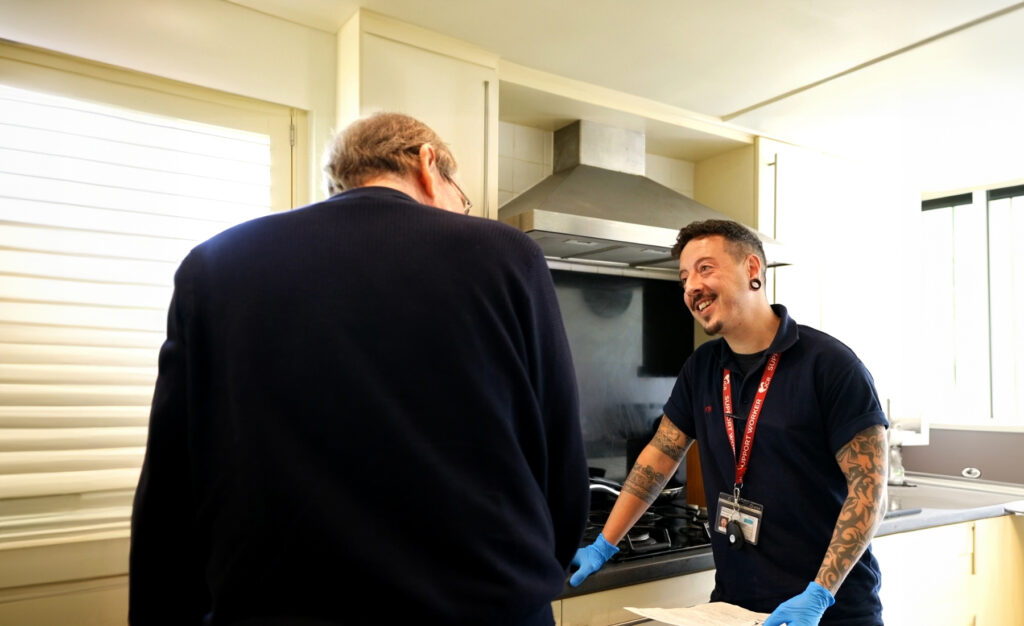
607, 607
999, 564
926, 575
965, 574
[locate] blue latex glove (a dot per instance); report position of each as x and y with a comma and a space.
805, 609
591, 558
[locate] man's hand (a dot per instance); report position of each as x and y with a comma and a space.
591, 558
805, 609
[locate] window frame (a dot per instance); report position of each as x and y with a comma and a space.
981, 199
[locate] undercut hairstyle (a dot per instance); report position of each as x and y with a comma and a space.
382, 143
741, 240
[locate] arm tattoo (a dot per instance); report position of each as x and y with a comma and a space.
671, 441
864, 462
644, 482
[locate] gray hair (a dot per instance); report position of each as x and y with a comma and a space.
379, 144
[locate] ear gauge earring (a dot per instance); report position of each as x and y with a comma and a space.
755, 283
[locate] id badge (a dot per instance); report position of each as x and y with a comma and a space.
746, 513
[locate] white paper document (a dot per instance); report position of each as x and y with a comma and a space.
710, 614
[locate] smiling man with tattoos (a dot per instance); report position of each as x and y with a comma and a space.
792, 445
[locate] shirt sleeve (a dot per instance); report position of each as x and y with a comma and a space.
679, 407
554, 378
850, 404
166, 582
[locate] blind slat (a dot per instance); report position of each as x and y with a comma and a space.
35, 462
102, 148
36, 439
42, 290
48, 265
29, 212
130, 177
69, 116
75, 355
72, 416
49, 483
71, 336
70, 395
90, 374
42, 239
84, 194
82, 316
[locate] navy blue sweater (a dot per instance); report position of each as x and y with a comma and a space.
366, 397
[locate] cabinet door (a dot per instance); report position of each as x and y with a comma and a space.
999, 571
927, 576
851, 229
456, 98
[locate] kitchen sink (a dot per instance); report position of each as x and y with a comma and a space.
891, 513
914, 497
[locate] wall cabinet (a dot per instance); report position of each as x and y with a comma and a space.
451, 87
849, 227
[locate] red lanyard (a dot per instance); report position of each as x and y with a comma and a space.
755, 412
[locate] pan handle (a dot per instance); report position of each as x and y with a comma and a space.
602, 487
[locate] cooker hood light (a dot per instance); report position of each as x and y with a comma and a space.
598, 205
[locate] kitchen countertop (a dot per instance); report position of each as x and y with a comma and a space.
925, 501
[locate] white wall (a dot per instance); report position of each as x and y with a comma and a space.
210, 43
524, 159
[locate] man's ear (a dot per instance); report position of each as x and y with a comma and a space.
753, 266
428, 165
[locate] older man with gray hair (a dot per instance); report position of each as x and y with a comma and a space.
367, 397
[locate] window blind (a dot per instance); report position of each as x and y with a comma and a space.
98, 205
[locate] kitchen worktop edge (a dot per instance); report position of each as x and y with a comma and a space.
616, 575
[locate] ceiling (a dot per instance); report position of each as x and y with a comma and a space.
935, 87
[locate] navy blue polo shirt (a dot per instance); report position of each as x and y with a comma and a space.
820, 397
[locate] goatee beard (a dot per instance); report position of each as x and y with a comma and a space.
713, 329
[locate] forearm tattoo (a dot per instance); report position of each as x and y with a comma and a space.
864, 462
644, 482
671, 442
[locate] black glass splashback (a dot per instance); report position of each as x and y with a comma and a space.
629, 338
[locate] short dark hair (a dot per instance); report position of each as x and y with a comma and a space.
742, 240
378, 144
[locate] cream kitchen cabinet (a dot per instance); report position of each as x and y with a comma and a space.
849, 228
386, 65
926, 575
998, 571
966, 574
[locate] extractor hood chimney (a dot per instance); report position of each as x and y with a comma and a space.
599, 207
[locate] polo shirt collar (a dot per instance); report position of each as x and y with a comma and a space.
785, 337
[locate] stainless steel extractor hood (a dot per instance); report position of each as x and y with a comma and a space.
599, 207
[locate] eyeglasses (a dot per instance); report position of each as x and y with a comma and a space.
466, 204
